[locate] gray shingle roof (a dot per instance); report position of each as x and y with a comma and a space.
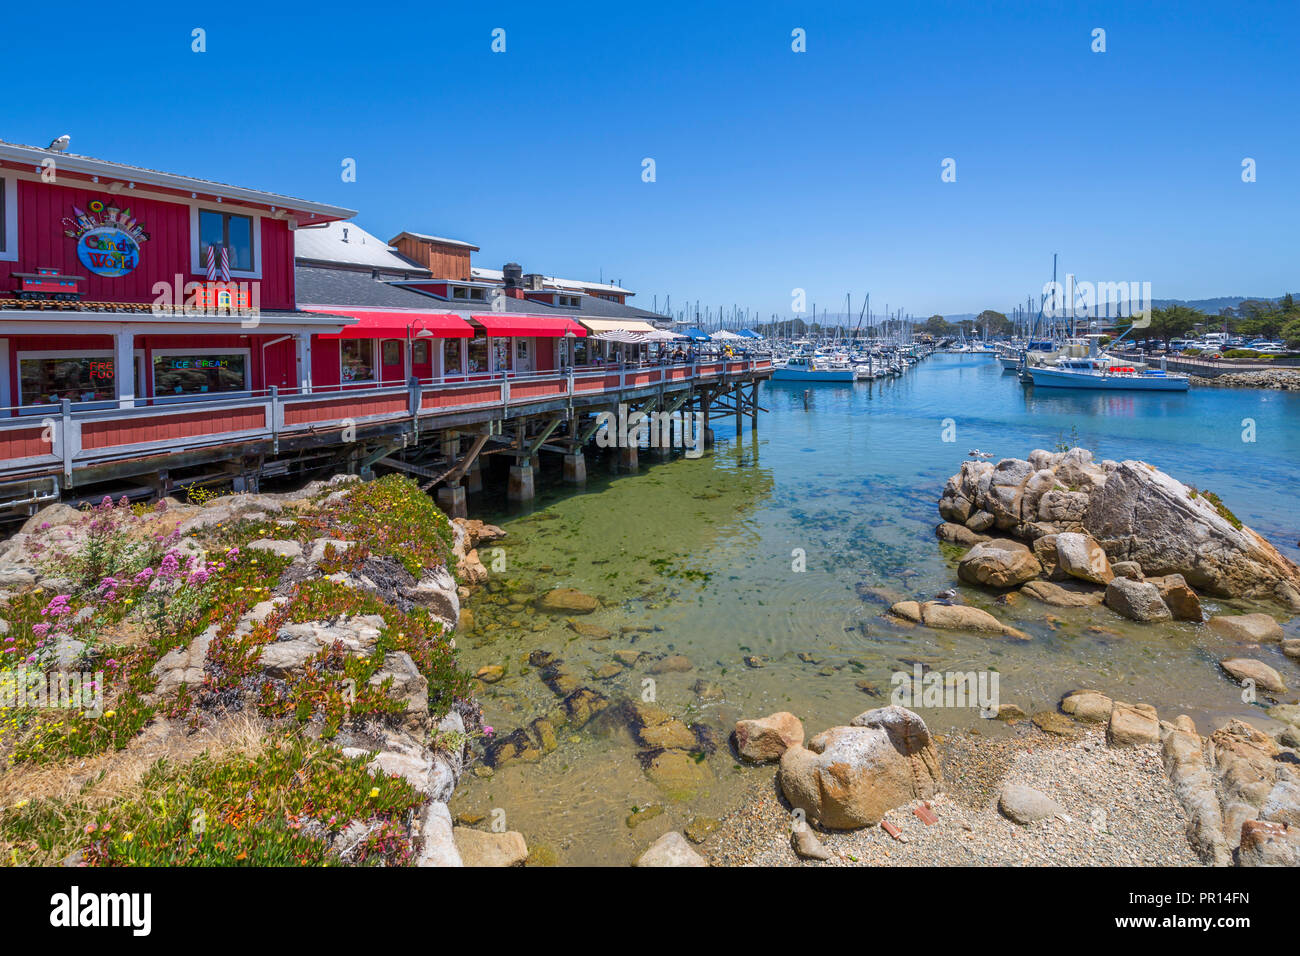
320, 286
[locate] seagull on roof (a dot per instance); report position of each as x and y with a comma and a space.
60, 144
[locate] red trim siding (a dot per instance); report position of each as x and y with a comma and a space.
24, 443
41, 242
125, 431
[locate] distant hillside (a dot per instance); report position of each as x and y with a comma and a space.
1213, 306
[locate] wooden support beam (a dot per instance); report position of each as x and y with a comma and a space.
458, 470
544, 434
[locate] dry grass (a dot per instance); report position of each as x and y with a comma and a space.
111, 776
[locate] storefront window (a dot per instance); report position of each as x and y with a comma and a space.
501, 347
358, 360
190, 374
49, 380
451, 357
392, 352
420, 353
478, 354
581, 354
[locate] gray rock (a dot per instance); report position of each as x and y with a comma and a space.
285, 549
1142, 514
1083, 558
1128, 569
282, 658
805, 843
1246, 668
439, 845
671, 849
1025, 805
999, 563
436, 590
1247, 628
1136, 600
1057, 595
849, 777
319, 546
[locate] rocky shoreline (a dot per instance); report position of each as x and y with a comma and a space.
1095, 780
1283, 379
319, 622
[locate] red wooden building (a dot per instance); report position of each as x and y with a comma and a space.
162, 329
136, 241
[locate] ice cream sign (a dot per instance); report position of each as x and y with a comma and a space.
108, 238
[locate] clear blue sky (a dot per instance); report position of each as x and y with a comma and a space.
775, 169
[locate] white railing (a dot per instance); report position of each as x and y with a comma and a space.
62, 428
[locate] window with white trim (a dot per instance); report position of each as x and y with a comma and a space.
231, 230
8, 218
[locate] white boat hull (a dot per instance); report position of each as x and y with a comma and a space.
1109, 381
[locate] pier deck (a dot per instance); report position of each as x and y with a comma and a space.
50, 451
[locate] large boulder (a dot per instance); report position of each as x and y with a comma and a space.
1247, 628
1132, 725
1141, 514
766, 738
1136, 600
1245, 669
959, 535
848, 777
567, 601
1182, 601
1005, 490
1089, 705
1000, 563
1185, 765
956, 617
1064, 596
961, 491
1083, 558
485, 848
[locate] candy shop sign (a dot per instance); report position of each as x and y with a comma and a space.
108, 238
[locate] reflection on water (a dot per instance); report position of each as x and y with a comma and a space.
701, 559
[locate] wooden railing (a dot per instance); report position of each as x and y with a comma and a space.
59, 437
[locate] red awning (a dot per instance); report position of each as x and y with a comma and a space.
544, 326
374, 324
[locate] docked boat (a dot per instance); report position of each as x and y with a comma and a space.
806, 368
1098, 370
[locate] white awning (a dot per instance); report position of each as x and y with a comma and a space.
617, 325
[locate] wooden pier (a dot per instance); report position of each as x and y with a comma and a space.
438, 431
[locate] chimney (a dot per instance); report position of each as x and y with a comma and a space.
513, 275
534, 282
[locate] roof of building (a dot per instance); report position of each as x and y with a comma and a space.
496, 275
88, 165
321, 286
346, 243
439, 239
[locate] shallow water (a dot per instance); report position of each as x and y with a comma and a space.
703, 553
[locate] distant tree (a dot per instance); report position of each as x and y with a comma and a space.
938, 325
1291, 334
995, 323
1173, 321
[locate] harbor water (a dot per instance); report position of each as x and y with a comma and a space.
768, 563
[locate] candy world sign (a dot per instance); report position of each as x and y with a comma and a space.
108, 238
